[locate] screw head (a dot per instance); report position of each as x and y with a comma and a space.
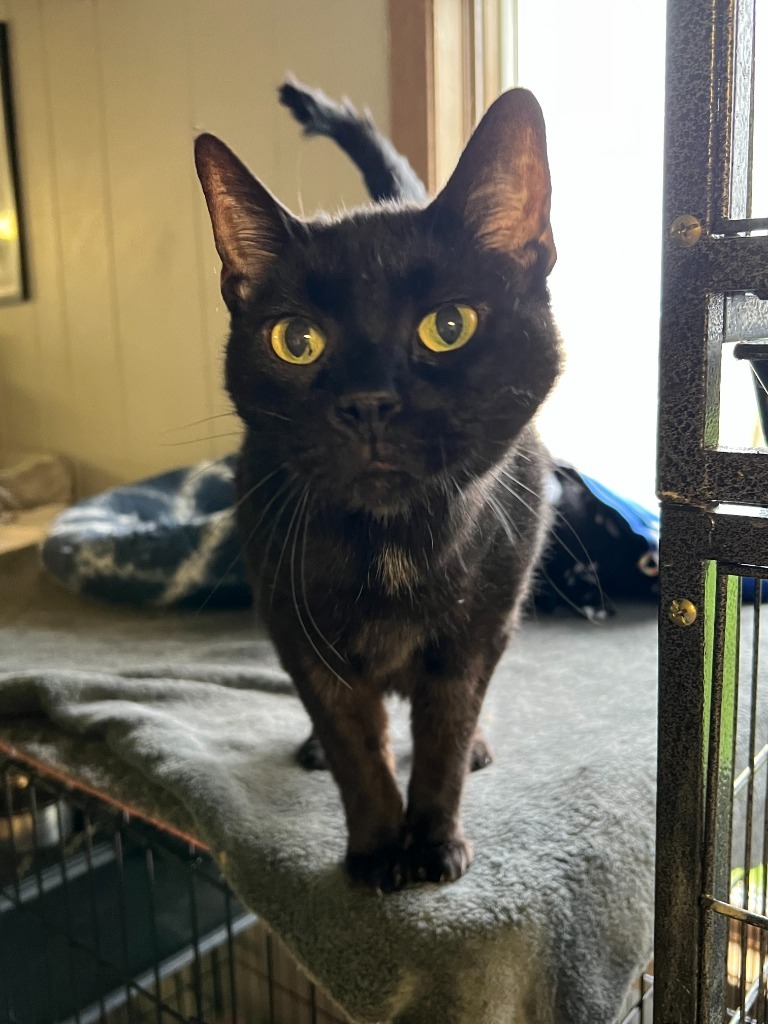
682, 612
685, 230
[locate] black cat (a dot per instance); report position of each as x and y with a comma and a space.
387, 364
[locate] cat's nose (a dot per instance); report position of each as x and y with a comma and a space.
367, 409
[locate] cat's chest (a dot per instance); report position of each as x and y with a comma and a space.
381, 608
380, 649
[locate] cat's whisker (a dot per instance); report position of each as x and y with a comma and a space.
589, 562
244, 543
459, 554
507, 524
565, 547
443, 478
559, 515
252, 490
564, 597
286, 486
302, 508
504, 520
534, 511
283, 549
302, 575
442, 454
202, 468
521, 453
505, 472
277, 415
196, 423
199, 440
223, 576
277, 519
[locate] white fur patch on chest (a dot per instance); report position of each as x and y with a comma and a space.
395, 569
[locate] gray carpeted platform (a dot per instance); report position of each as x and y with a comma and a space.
188, 716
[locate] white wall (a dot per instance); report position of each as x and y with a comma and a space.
121, 343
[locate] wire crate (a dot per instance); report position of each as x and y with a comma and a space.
734, 951
639, 1003
712, 796
713, 818
105, 918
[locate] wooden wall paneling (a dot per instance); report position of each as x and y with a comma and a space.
165, 372
231, 59
96, 401
306, 174
123, 337
230, 94
23, 424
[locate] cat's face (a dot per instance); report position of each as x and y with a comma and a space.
393, 351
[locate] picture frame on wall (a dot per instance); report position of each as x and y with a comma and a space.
13, 277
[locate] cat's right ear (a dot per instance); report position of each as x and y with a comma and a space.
249, 225
500, 191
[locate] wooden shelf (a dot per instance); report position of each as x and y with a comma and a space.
26, 528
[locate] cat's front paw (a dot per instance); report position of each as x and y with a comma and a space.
381, 870
438, 862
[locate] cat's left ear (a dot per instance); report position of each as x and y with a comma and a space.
501, 189
250, 226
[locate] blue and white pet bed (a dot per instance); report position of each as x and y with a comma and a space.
169, 541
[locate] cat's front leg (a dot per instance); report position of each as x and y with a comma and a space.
446, 705
351, 724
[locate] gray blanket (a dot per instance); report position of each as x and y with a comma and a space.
189, 718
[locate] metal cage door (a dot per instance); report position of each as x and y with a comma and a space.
711, 961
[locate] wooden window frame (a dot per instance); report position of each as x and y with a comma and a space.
445, 68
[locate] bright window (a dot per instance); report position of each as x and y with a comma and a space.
597, 68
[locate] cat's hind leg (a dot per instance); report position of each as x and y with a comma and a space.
480, 755
311, 756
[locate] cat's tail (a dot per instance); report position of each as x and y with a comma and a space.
387, 173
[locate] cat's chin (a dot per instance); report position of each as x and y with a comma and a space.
382, 494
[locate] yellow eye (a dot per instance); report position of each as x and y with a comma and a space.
448, 327
296, 340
